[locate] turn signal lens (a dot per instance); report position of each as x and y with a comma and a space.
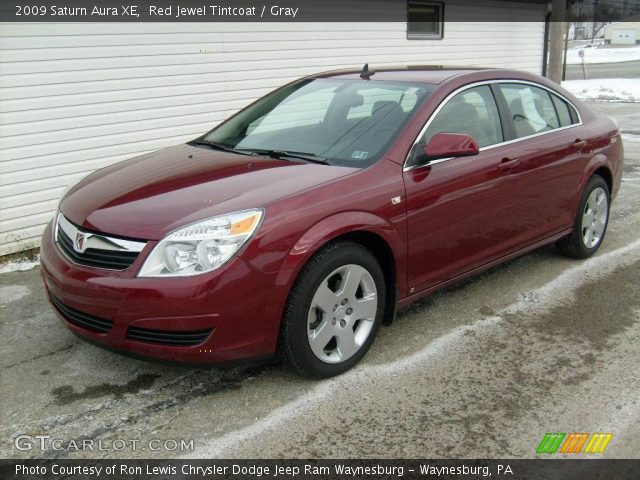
245, 226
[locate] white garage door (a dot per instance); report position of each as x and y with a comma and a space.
623, 37
78, 97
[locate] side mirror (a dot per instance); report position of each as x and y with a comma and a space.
447, 145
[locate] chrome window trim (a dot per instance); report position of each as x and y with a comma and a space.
495, 145
94, 240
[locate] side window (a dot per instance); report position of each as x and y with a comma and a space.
473, 112
531, 109
574, 115
566, 113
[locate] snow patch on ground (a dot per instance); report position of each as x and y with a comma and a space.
603, 55
20, 265
605, 89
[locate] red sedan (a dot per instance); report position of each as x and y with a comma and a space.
299, 224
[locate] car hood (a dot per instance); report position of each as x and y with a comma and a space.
151, 195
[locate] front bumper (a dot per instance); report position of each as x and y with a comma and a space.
232, 313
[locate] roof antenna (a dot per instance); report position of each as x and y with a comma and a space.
366, 73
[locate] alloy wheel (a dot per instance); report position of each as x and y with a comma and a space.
594, 217
342, 313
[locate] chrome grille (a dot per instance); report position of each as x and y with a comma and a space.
93, 249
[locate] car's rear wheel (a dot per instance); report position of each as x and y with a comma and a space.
334, 311
590, 224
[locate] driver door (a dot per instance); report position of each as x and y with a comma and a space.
461, 212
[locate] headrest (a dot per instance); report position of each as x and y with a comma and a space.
354, 100
384, 107
516, 106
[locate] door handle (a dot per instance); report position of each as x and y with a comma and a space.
580, 143
508, 163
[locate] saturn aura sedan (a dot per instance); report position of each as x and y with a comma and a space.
300, 224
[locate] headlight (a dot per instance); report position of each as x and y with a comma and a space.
201, 247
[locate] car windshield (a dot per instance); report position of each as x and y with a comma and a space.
336, 121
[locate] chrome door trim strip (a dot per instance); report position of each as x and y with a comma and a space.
432, 162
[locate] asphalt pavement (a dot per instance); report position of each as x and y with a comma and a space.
483, 369
604, 70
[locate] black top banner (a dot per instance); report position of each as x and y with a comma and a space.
297, 10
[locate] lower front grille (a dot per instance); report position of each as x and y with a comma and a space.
81, 319
175, 338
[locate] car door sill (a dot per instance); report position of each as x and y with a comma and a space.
547, 240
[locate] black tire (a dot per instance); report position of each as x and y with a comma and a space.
293, 343
573, 244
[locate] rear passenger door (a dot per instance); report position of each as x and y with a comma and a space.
549, 153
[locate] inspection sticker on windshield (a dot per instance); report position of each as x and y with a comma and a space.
360, 155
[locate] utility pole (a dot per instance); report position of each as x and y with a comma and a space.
566, 48
595, 17
556, 40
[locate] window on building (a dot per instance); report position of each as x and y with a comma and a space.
425, 19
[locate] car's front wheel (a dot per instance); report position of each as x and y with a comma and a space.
334, 311
591, 220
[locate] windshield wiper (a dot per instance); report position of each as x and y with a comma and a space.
282, 154
218, 146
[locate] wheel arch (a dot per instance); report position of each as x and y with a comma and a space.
599, 165
604, 172
366, 229
380, 249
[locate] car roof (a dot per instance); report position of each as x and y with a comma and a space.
454, 76
433, 74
